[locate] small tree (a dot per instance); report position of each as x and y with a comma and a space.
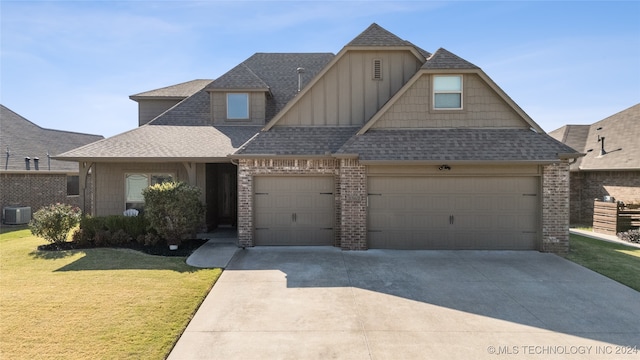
173, 210
54, 222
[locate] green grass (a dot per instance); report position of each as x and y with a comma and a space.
616, 261
93, 303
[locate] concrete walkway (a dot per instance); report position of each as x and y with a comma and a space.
217, 252
324, 303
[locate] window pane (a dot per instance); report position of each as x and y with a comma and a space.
135, 183
447, 101
161, 178
237, 106
73, 185
447, 83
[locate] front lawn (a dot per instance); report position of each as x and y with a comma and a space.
93, 303
616, 261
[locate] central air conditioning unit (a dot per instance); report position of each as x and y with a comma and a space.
16, 215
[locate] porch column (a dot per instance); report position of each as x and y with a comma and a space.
83, 173
191, 172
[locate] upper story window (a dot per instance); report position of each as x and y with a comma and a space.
447, 92
238, 106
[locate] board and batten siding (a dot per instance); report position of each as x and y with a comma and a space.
110, 179
347, 94
482, 108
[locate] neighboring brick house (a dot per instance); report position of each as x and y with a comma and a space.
28, 174
611, 166
383, 145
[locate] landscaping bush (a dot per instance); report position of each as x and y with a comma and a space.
112, 230
630, 236
173, 210
54, 222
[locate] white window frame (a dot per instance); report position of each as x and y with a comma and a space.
233, 116
448, 91
139, 205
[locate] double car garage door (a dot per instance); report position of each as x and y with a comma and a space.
404, 212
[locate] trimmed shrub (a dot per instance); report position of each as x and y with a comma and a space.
173, 210
630, 236
54, 222
112, 230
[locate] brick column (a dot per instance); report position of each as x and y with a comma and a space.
245, 203
555, 208
353, 196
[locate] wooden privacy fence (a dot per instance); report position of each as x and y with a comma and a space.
610, 218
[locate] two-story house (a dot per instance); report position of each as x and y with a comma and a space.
383, 145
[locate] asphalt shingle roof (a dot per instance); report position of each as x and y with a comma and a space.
182, 90
376, 35
167, 142
275, 71
22, 138
298, 141
622, 141
444, 59
455, 145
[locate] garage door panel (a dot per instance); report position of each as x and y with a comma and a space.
454, 212
294, 210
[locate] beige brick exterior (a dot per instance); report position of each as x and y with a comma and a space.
555, 208
353, 195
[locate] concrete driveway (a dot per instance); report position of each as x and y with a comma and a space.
324, 303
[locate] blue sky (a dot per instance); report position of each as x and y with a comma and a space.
71, 65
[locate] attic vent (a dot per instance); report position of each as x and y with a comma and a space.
377, 69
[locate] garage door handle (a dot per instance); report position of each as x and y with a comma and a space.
450, 219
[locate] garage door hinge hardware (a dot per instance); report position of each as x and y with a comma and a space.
326, 228
529, 194
329, 193
374, 230
374, 194
262, 193
262, 228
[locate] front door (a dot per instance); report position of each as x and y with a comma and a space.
222, 195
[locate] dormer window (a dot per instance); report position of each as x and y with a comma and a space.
238, 106
447, 92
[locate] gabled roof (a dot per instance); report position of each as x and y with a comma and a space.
455, 145
443, 59
161, 143
178, 91
275, 72
22, 138
620, 131
375, 36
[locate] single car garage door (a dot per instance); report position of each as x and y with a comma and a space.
453, 212
294, 210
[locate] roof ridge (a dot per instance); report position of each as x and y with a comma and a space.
445, 59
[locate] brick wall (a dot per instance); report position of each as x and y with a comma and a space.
555, 208
248, 168
353, 195
35, 190
589, 185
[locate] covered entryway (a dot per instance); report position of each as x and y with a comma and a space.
476, 212
222, 195
294, 210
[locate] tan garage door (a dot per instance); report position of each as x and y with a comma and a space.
294, 210
453, 212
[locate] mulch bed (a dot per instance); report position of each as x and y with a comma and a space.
185, 249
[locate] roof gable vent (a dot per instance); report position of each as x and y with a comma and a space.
377, 69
